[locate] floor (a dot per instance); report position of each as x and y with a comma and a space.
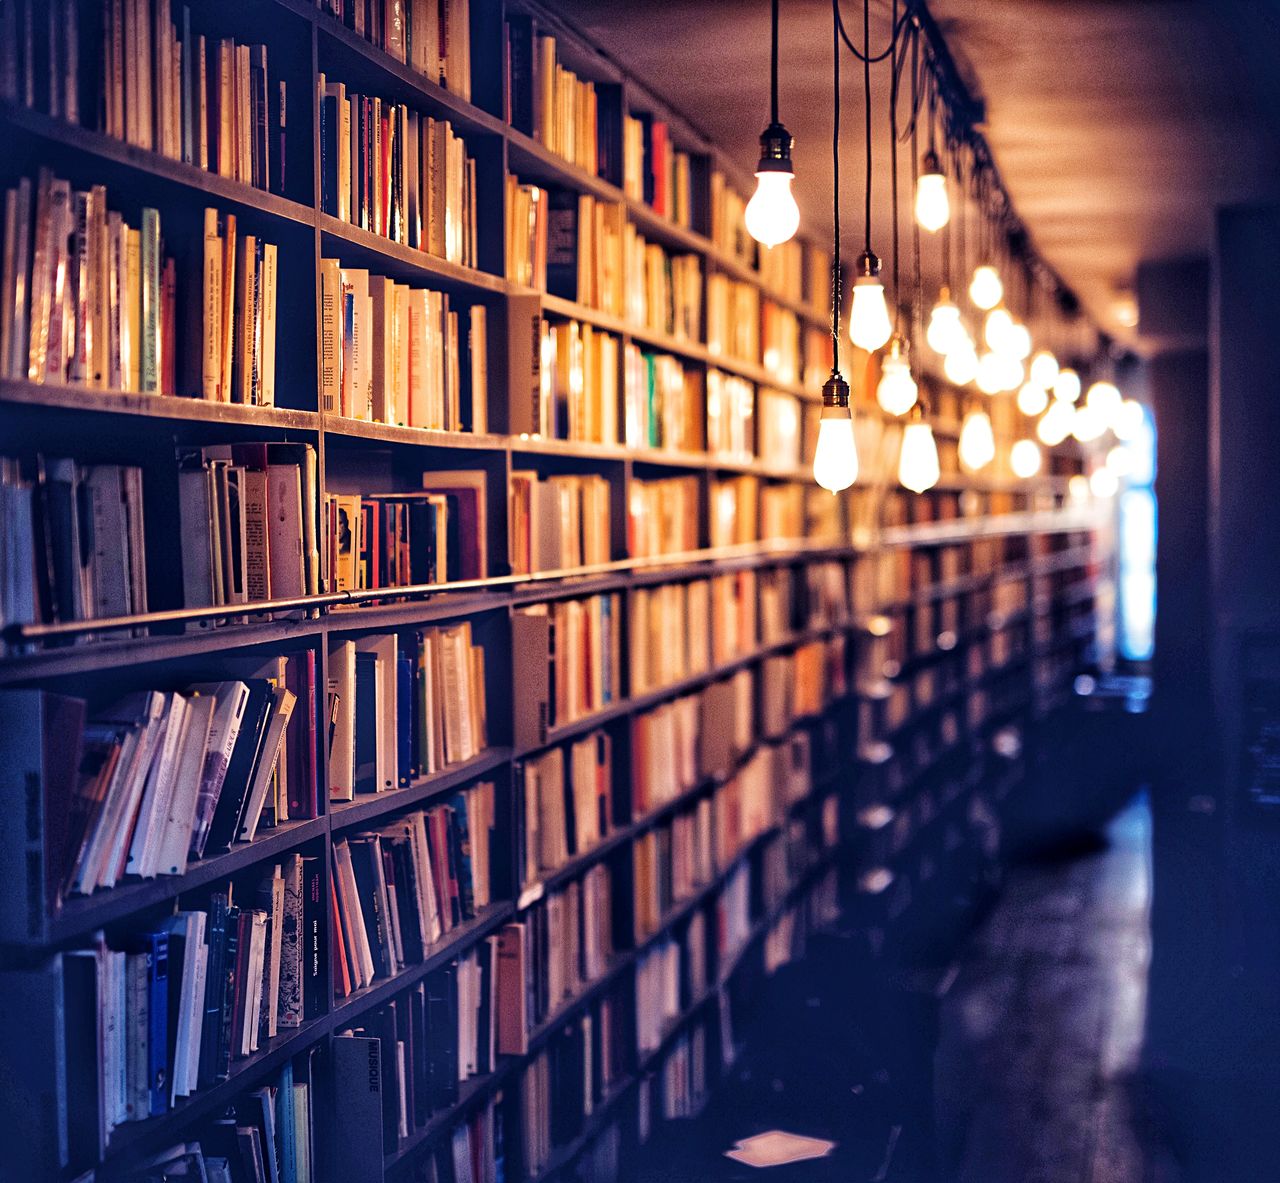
1015, 1065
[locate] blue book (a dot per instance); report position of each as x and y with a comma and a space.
366, 723
404, 719
156, 945
286, 1126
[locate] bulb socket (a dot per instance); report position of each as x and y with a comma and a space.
868, 265
931, 163
775, 150
835, 392
899, 346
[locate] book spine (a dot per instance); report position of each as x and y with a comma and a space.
150, 305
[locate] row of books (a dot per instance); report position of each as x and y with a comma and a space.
247, 519
733, 318
782, 511
396, 173
127, 70
402, 707
559, 522
567, 663
660, 973
654, 170
400, 889
779, 339
73, 546
664, 291
87, 299
156, 779
387, 540
662, 517
563, 1085
577, 392
525, 239
717, 618
171, 1009
393, 353
432, 37
566, 804
662, 401
668, 864
735, 510
267, 1135
731, 416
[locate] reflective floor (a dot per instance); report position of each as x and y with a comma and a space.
1015, 1064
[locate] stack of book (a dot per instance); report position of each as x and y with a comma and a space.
731, 416
745, 806
549, 102
389, 540
728, 221
669, 629
400, 889
664, 291
663, 517
129, 72
429, 36
584, 250
566, 810
669, 863
578, 386
654, 171
662, 402
85, 298
666, 758
526, 234
396, 173
401, 708
74, 544
558, 523
734, 510
733, 318
734, 615
568, 663
247, 513
392, 353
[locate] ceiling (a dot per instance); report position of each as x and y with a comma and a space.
1117, 125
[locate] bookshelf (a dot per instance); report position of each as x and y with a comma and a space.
892, 652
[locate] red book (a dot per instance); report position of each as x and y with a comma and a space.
341, 971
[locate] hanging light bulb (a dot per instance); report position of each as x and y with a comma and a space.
772, 215
896, 391
869, 324
1024, 458
1103, 482
1055, 425
945, 332
977, 441
1120, 460
1087, 423
985, 289
1032, 398
996, 327
961, 366
1128, 419
933, 209
918, 461
1011, 371
1067, 385
1017, 341
1104, 398
835, 462
1044, 369
1078, 487
990, 373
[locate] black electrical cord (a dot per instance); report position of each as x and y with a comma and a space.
835, 192
866, 85
893, 167
773, 69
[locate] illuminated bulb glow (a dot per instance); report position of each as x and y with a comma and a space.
1024, 459
1120, 460
1056, 423
945, 332
1017, 341
1127, 421
990, 373
1104, 398
896, 392
1087, 423
1067, 386
1103, 483
835, 461
918, 461
995, 328
977, 441
961, 366
1078, 487
1011, 371
1044, 369
933, 209
772, 215
1032, 398
869, 324
985, 289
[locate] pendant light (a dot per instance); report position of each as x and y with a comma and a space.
772, 215
1066, 387
896, 392
1024, 458
977, 446
1032, 397
1055, 424
946, 330
961, 365
933, 208
985, 289
835, 460
1105, 398
869, 323
996, 328
1044, 369
918, 460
